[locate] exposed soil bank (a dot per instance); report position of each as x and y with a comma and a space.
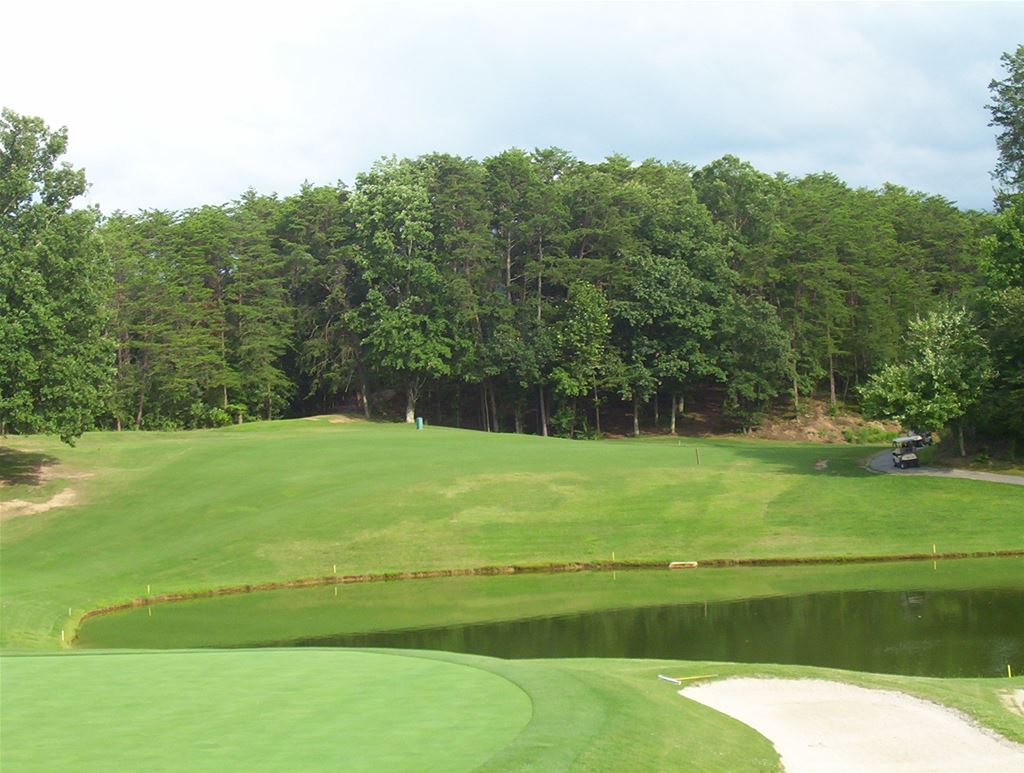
818, 725
306, 582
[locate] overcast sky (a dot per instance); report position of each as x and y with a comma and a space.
174, 105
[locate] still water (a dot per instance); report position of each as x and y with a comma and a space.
956, 618
943, 633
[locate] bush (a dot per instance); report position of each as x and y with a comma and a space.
218, 417
867, 433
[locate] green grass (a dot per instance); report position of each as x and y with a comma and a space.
174, 512
255, 710
366, 710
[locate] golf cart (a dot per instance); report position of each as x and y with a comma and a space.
904, 451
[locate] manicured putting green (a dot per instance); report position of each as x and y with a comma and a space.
269, 710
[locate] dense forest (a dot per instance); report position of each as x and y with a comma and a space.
526, 292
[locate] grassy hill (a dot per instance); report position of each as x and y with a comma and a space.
157, 513
123, 516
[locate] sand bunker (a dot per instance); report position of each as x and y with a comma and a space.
15, 508
817, 725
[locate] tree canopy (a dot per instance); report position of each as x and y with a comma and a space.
55, 361
530, 291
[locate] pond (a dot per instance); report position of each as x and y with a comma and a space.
952, 618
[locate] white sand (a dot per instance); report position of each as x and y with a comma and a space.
818, 726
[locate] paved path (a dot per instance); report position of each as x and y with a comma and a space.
882, 462
819, 726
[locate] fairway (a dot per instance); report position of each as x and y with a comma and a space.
161, 513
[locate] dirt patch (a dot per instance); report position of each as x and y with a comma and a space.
1014, 701
334, 418
816, 423
16, 508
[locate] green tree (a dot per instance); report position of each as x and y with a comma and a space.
259, 313
754, 356
55, 360
1007, 110
582, 341
405, 322
943, 376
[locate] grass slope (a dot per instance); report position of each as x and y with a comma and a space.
275, 501
366, 710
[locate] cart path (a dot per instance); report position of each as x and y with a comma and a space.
818, 725
882, 462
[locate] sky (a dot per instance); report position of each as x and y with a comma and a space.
176, 105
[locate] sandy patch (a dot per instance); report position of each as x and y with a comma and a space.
817, 725
15, 508
333, 418
1014, 701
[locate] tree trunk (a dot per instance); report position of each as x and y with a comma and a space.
458, 406
960, 435
597, 411
672, 421
508, 269
543, 412
117, 424
365, 387
831, 381
138, 411
796, 394
410, 403
485, 420
540, 294
655, 410
494, 408
636, 416
518, 415
224, 363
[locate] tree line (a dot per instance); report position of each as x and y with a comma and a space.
523, 292
534, 285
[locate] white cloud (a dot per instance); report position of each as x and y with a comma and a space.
180, 105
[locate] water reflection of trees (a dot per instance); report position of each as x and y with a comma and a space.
946, 633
